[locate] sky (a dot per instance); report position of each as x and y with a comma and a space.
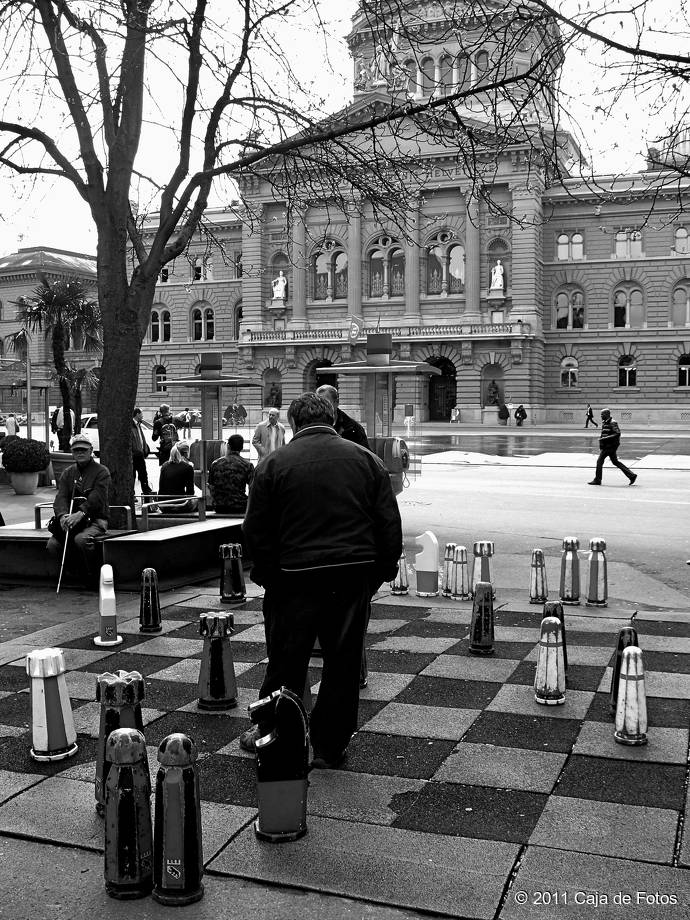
50, 213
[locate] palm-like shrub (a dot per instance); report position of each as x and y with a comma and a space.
25, 455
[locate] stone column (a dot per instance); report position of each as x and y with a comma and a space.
354, 262
412, 315
472, 261
299, 272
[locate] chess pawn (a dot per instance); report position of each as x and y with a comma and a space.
631, 708
120, 695
107, 606
128, 832
149, 604
555, 609
399, 585
178, 865
549, 680
482, 551
626, 637
597, 590
426, 565
448, 557
461, 589
53, 733
538, 589
217, 684
482, 628
570, 572
282, 766
232, 587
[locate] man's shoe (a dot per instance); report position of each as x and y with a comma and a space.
322, 763
363, 682
248, 739
632, 479
594, 482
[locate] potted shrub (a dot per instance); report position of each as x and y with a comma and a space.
24, 459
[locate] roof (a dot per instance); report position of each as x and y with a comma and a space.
45, 259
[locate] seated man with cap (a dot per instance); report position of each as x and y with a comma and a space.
81, 509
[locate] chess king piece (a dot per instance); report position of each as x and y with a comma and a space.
107, 606
627, 636
178, 865
52, 723
400, 586
570, 572
631, 707
217, 684
120, 695
448, 556
128, 831
461, 588
282, 766
149, 604
232, 586
426, 565
483, 551
538, 589
597, 590
482, 628
555, 609
549, 680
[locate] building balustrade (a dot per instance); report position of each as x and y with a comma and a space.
340, 334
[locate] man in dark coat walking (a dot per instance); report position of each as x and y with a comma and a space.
346, 427
609, 440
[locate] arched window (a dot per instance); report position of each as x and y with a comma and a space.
445, 270
627, 371
159, 379
166, 328
197, 268
428, 76
155, 327
684, 371
397, 272
386, 265
682, 241
570, 247
411, 71
569, 371
570, 310
434, 270
209, 325
329, 272
464, 66
340, 271
202, 324
681, 305
236, 320
628, 308
197, 325
446, 75
628, 244
164, 275
481, 63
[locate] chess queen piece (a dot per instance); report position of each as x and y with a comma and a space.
217, 684
52, 723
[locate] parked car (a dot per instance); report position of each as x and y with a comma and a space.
89, 427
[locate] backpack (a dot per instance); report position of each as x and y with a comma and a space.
53, 420
169, 435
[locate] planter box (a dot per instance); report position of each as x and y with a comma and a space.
59, 461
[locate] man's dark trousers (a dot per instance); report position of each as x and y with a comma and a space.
139, 467
332, 605
610, 452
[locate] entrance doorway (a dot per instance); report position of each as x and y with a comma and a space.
312, 380
442, 390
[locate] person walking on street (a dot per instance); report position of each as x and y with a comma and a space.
589, 417
520, 415
187, 424
269, 434
11, 425
346, 427
609, 440
164, 427
140, 451
230, 478
324, 531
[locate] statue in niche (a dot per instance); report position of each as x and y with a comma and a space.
497, 277
280, 286
493, 394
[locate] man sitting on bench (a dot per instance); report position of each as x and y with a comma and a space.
229, 479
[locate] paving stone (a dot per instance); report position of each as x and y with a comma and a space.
422, 721
657, 683
520, 699
357, 796
228, 779
419, 644
12, 783
396, 755
655, 784
40, 812
661, 711
470, 667
174, 648
664, 745
581, 655
535, 733
440, 691
510, 768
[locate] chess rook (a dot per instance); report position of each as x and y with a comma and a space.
482, 628
232, 587
400, 586
107, 606
426, 565
569, 592
549, 680
482, 552
128, 831
538, 589
597, 590
178, 865
52, 723
460, 585
120, 694
448, 556
631, 708
217, 684
282, 766
149, 604
626, 637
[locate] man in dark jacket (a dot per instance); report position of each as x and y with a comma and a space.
81, 521
140, 451
230, 477
609, 439
346, 427
324, 530
165, 429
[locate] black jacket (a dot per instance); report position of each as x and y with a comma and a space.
349, 429
93, 483
322, 501
610, 435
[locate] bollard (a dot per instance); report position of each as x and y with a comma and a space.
128, 832
217, 684
52, 723
178, 865
598, 589
626, 637
232, 587
538, 589
448, 569
426, 565
631, 708
107, 606
549, 680
399, 585
149, 604
555, 609
482, 628
461, 589
483, 551
282, 766
569, 592
120, 695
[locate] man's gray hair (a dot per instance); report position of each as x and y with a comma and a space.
328, 392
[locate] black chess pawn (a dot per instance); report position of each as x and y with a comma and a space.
149, 605
482, 628
627, 636
128, 831
217, 684
232, 587
120, 695
555, 609
178, 865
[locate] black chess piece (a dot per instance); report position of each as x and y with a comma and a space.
482, 628
555, 609
120, 695
217, 684
627, 636
232, 586
149, 605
